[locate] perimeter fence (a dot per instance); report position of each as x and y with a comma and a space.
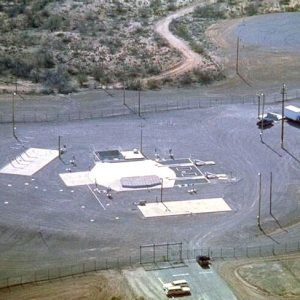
131, 106
134, 261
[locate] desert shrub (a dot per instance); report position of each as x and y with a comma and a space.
82, 79
152, 69
54, 22
251, 9
161, 42
44, 58
207, 76
180, 29
58, 79
209, 11
186, 79
284, 2
197, 47
134, 85
153, 84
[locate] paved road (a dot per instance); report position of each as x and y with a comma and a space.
205, 284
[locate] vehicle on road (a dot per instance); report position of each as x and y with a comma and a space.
265, 122
177, 288
203, 261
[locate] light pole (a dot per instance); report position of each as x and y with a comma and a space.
13, 116
141, 139
283, 93
258, 105
259, 202
271, 183
262, 115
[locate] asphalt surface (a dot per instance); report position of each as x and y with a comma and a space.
204, 283
43, 223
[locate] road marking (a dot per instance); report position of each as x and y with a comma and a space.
209, 272
183, 274
160, 280
96, 197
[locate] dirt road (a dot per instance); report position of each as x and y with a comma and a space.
191, 59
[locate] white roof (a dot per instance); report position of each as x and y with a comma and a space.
293, 108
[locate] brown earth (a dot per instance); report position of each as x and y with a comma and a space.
265, 286
105, 285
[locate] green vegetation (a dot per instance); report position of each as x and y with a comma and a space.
78, 43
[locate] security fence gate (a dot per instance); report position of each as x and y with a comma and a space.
166, 252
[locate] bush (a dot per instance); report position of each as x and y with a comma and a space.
197, 47
210, 11
153, 84
251, 10
54, 23
58, 79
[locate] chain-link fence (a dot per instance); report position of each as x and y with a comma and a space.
187, 254
131, 106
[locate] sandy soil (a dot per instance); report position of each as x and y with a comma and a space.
103, 285
259, 68
244, 289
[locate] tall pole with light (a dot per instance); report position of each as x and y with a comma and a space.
13, 116
283, 93
259, 202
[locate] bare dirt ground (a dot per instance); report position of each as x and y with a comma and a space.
259, 68
106, 285
272, 278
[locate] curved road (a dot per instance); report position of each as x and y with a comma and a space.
191, 58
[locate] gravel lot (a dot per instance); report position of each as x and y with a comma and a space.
43, 223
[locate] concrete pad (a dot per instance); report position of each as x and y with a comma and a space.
75, 179
171, 208
30, 162
132, 155
110, 174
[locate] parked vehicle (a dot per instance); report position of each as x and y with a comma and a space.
265, 122
203, 261
292, 113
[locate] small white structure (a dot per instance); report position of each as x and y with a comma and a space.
292, 112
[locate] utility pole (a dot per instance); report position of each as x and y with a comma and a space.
13, 117
262, 116
141, 139
161, 190
271, 182
139, 100
59, 147
124, 103
258, 105
237, 55
283, 93
259, 202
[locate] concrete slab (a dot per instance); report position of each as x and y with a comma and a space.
30, 162
197, 206
110, 174
77, 178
